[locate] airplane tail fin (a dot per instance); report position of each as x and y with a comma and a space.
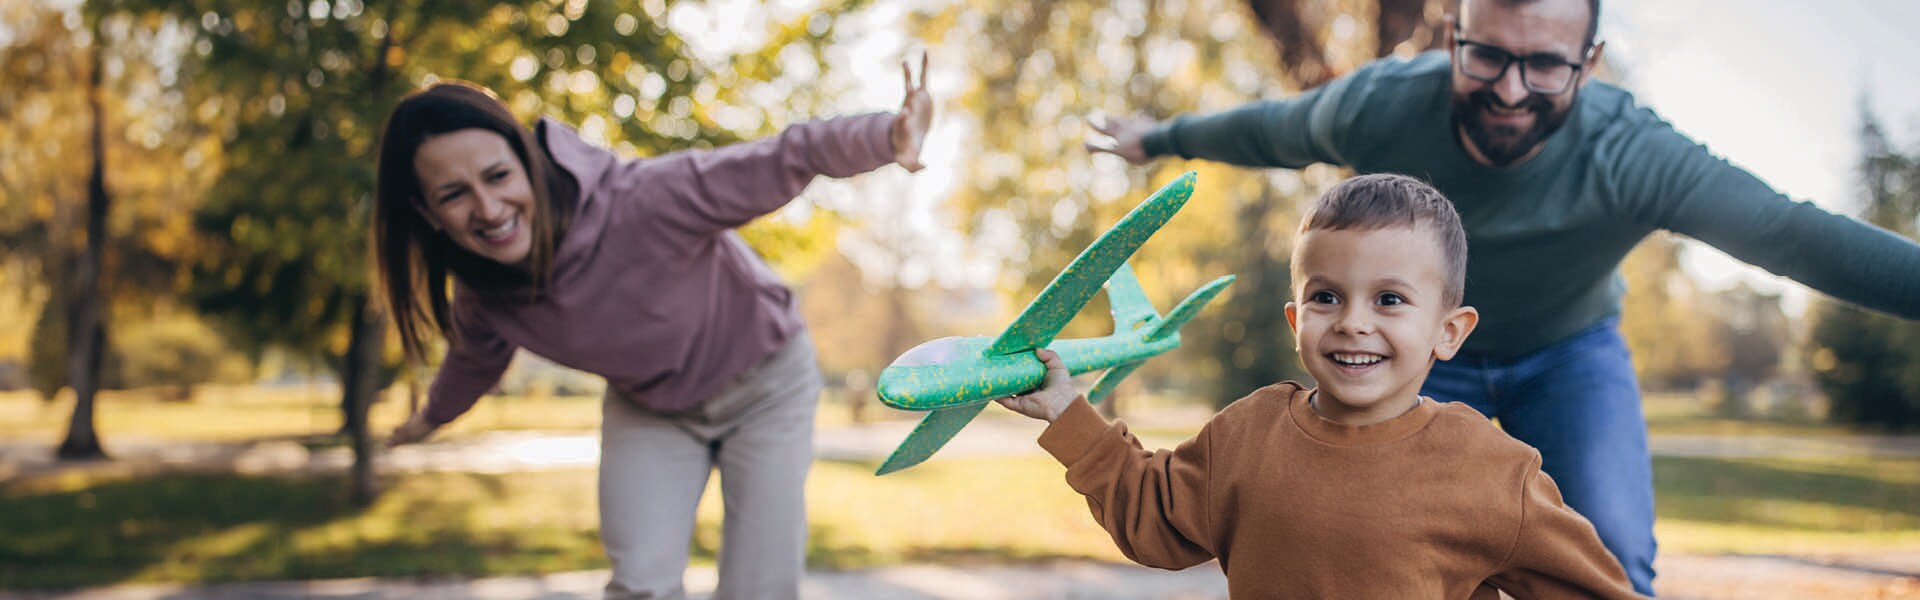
1132, 310
933, 432
1127, 301
1187, 309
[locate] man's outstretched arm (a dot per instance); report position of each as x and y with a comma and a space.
1668, 181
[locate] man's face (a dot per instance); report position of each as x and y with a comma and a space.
1505, 115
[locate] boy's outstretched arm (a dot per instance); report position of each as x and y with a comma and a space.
1156, 505
1557, 554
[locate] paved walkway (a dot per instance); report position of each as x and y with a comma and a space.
1684, 577
509, 451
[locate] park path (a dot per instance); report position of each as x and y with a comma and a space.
1684, 577
510, 451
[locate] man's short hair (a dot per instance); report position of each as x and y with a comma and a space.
1382, 200
1593, 20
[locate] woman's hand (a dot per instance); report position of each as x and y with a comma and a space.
915, 118
415, 429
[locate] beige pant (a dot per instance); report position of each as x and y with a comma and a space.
759, 432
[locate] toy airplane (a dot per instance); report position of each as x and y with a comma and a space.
955, 377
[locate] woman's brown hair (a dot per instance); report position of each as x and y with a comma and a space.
413, 259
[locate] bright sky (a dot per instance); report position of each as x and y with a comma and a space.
1774, 86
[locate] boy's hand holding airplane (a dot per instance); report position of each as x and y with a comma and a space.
1052, 398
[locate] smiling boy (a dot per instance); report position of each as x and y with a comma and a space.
1359, 488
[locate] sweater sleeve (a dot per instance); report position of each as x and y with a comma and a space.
475, 360
1557, 554
694, 195
1292, 133
1664, 180
1156, 505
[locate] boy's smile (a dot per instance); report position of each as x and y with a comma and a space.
1371, 317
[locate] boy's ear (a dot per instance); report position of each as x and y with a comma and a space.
1293, 318
1453, 331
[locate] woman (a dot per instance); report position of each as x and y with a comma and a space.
628, 268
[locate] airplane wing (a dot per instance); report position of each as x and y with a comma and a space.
1074, 286
1158, 327
934, 431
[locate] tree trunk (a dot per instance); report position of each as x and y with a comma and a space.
1397, 21
359, 383
1295, 37
86, 332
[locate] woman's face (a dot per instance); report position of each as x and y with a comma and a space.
474, 189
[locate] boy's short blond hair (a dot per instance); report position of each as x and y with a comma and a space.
1381, 200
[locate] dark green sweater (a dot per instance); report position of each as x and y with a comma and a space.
1546, 237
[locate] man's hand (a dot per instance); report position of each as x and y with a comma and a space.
1126, 136
1052, 398
415, 429
910, 126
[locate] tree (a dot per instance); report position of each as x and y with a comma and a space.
1869, 363
1755, 333
1670, 324
88, 256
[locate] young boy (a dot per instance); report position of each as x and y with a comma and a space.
1359, 488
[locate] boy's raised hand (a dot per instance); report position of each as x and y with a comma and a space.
1052, 398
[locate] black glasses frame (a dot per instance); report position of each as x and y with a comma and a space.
1508, 58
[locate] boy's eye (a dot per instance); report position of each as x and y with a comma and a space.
1392, 299
1323, 297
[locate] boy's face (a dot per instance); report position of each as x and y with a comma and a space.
1370, 317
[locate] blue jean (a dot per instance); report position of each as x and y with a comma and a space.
1578, 402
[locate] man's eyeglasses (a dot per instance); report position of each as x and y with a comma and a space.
1541, 73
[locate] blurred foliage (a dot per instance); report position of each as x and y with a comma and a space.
1869, 363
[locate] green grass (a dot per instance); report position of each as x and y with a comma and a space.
1791, 506
69, 531
64, 532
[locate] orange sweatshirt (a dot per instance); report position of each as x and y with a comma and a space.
1430, 504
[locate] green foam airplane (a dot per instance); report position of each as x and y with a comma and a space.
955, 377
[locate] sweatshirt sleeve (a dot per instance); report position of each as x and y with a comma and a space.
1557, 554
1292, 133
475, 360
1156, 505
694, 195
1664, 180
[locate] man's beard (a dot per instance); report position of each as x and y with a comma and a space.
1503, 145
